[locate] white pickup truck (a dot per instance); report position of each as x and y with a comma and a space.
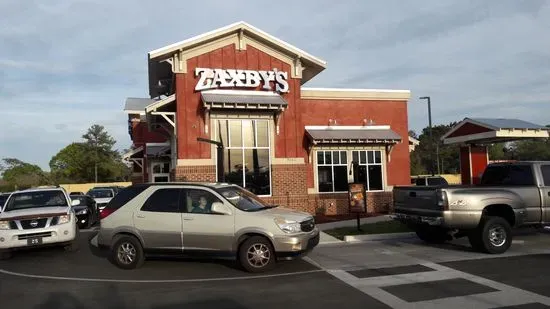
38, 217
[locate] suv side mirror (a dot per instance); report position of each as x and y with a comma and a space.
220, 208
75, 202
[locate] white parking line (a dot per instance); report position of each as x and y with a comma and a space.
7, 272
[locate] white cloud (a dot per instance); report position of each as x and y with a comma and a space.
71, 64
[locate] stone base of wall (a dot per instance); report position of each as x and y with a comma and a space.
332, 204
205, 173
336, 204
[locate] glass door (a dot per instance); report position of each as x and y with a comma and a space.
160, 171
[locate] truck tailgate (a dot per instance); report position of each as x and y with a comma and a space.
416, 200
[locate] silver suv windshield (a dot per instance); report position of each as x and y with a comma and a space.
35, 199
243, 199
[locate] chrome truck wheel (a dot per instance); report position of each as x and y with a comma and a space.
493, 235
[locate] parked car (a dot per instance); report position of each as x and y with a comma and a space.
102, 196
38, 217
116, 189
510, 195
220, 220
87, 212
76, 193
429, 181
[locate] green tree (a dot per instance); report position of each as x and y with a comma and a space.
92, 159
428, 149
100, 145
21, 174
72, 164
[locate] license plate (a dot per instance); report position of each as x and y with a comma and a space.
34, 241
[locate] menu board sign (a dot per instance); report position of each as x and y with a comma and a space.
357, 198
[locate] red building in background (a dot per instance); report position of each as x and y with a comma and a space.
290, 144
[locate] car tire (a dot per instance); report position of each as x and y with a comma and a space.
493, 235
256, 254
5, 254
127, 252
432, 235
74, 245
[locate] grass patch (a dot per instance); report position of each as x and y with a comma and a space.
383, 227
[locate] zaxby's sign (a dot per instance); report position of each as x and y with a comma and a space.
227, 78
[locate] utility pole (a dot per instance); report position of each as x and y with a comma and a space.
95, 145
431, 138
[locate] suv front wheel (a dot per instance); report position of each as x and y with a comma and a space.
256, 254
127, 252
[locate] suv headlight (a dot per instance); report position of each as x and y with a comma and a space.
4, 225
288, 226
64, 219
82, 212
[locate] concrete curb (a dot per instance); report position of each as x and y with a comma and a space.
371, 237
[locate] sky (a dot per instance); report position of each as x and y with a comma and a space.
65, 65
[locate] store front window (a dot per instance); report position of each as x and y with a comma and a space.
370, 168
333, 169
247, 153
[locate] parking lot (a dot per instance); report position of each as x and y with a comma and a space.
382, 274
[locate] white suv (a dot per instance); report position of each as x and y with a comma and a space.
38, 217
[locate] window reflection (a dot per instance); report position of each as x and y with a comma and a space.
257, 171
233, 166
248, 133
223, 132
247, 155
235, 134
263, 133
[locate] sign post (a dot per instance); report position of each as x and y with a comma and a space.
357, 200
220, 148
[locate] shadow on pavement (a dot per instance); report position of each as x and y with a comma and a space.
104, 254
109, 297
462, 244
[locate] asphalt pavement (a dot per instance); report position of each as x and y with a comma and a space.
377, 274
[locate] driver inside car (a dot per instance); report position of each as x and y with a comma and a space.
202, 206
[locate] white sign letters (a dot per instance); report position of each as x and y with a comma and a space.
225, 78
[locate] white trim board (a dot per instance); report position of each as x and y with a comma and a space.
375, 127
242, 26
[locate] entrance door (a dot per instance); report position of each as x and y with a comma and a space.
160, 172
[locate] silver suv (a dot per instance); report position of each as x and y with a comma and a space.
210, 219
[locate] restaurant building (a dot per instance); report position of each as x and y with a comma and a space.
292, 145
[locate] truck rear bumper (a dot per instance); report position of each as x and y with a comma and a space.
416, 219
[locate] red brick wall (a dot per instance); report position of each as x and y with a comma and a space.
332, 204
189, 110
290, 182
195, 173
352, 113
335, 204
289, 179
